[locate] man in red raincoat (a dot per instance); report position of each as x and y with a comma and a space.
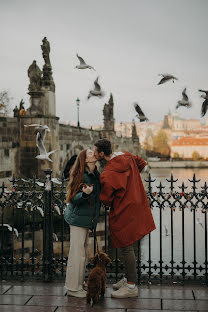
130, 217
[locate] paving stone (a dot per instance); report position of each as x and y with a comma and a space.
185, 305
4, 288
166, 293
57, 301
136, 310
88, 309
201, 294
37, 290
10, 299
104, 303
130, 303
13, 308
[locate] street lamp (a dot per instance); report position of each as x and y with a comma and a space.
78, 100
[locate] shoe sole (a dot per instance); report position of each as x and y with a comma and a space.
117, 288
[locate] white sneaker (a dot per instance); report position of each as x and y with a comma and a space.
125, 292
79, 293
118, 285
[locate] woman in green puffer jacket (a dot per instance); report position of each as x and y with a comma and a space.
82, 213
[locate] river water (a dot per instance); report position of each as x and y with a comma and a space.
182, 175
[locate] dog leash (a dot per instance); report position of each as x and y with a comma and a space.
93, 219
93, 225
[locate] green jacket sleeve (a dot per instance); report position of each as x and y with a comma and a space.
79, 198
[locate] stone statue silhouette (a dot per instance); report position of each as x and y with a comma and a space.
46, 50
21, 104
34, 74
108, 109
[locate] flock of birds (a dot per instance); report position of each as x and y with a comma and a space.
98, 92
184, 102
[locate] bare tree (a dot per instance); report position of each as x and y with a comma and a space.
5, 100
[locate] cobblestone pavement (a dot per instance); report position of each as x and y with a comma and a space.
51, 297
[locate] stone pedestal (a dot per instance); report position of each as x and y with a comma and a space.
48, 102
42, 103
36, 105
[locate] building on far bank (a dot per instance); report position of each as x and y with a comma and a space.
186, 146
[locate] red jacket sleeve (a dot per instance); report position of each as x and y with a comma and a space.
141, 163
106, 194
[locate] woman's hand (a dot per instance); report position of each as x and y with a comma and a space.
87, 189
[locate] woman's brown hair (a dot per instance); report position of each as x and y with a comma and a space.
76, 175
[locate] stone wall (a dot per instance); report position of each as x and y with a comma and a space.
9, 146
18, 145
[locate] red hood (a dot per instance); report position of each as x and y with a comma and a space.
119, 163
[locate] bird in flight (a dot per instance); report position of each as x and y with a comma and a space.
166, 77
82, 64
37, 127
205, 103
185, 100
40, 138
10, 228
140, 114
97, 90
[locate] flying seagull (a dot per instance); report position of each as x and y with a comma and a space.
37, 127
185, 100
10, 229
82, 64
56, 207
97, 90
57, 181
40, 210
140, 114
166, 77
55, 237
205, 103
40, 138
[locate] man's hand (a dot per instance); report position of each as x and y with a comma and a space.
146, 169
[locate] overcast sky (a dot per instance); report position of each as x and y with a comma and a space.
129, 42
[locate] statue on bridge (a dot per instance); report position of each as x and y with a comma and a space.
108, 109
46, 50
34, 74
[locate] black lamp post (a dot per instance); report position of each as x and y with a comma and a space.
78, 100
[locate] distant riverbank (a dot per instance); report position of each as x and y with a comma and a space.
178, 164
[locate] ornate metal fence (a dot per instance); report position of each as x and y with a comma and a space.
32, 223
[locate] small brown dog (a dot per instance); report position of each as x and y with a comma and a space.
97, 277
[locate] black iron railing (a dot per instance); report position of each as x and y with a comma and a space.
32, 223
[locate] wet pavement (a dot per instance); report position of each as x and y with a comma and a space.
51, 297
